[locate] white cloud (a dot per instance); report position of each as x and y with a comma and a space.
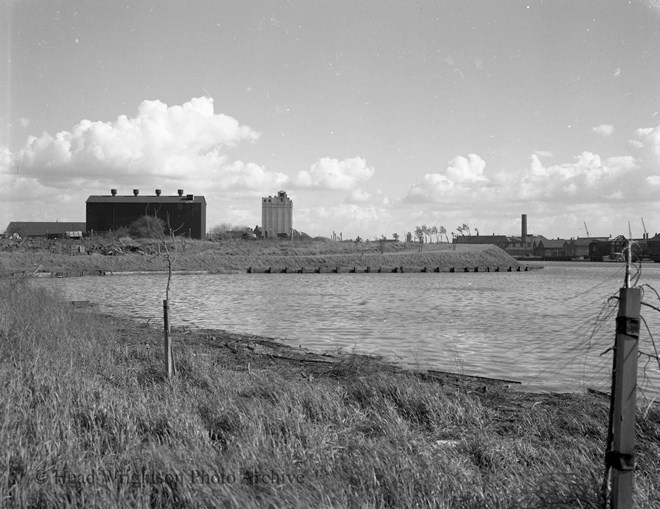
648, 141
330, 173
240, 175
187, 143
470, 169
358, 196
603, 130
463, 174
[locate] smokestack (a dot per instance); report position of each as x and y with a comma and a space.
157, 192
136, 192
113, 192
523, 231
180, 191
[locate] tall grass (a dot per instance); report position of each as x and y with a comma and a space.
88, 420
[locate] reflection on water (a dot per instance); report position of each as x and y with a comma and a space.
541, 327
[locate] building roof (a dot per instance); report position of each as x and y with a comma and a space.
552, 243
146, 199
480, 239
36, 228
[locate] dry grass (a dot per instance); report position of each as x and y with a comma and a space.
87, 420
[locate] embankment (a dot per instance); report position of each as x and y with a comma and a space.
93, 257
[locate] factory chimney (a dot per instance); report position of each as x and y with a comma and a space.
523, 232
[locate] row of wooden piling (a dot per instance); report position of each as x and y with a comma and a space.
395, 270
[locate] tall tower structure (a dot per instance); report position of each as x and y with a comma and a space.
276, 216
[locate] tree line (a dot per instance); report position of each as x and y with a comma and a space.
426, 233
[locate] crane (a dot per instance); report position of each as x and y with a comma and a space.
586, 229
644, 226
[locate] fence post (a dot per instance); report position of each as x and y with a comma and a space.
169, 364
620, 456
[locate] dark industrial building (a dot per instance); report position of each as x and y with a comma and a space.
186, 212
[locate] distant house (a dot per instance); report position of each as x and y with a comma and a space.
551, 248
50, 229
186, 214
579, 248
522, 247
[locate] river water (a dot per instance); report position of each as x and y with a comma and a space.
546, 328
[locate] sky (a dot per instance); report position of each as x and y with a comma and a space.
374, 116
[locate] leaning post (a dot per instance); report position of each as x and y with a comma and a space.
621, 455
169, 364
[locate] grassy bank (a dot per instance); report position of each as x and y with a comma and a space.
236, 256
87, 420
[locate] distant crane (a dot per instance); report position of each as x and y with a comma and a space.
586, 229
644, 226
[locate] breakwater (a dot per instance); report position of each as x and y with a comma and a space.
380, 270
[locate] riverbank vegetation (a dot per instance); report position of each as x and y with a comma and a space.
100, 254
87, 419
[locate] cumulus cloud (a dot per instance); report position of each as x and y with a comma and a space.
586, 178
182, 143
461, 174
334, 174
603, 130
647, 142
240, 175
462, 169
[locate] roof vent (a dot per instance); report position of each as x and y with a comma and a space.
157, 192
190, 197
136, 192
180, 191
113, 192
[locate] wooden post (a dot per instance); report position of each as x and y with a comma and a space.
621, 458
169, 364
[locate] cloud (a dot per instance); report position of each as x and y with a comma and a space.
160, 143
462, 174
603, 130
543, 153
358, 196
647, 143
329, 173
240, 175
587, 178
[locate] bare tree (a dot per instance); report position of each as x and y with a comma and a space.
167, 250
434, 231
419, 233
443, 231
